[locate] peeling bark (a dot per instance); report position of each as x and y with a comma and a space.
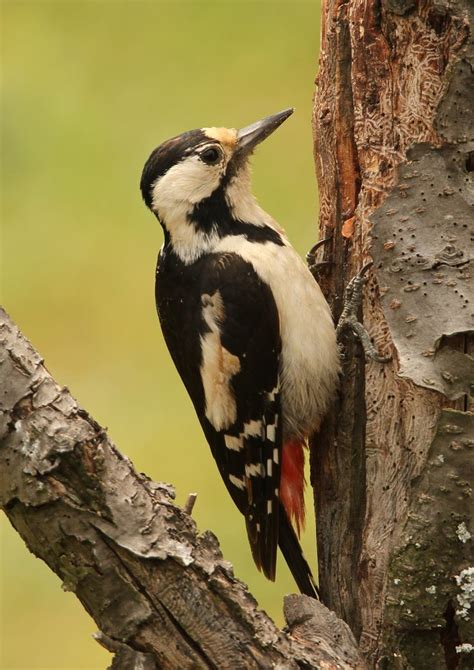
394, 140
162, 595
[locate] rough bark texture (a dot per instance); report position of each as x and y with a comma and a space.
132, 557
394, 149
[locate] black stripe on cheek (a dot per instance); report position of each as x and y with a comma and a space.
259, 234
213, 215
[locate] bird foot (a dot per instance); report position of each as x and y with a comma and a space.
315, 266
348, 319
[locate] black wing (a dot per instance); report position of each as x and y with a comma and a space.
247, 449
226, 346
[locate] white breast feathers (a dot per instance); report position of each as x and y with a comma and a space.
309, 362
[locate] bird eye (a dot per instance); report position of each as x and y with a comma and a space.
210, 156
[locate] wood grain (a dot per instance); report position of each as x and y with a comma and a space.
395, 87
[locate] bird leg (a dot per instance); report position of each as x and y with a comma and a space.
313, 265
348, 319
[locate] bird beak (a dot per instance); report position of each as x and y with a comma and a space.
250, 136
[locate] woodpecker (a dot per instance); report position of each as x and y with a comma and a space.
247, 327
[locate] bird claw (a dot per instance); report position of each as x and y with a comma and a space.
348, 319
315, 266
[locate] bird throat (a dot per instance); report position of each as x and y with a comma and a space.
196, 229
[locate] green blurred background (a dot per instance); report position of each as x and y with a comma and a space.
89, 89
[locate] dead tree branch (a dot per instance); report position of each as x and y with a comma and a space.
133, 558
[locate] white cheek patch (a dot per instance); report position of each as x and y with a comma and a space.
189, 181
218, 367
174, 197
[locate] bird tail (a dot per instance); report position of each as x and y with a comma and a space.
293, 554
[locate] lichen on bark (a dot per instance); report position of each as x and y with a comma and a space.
435, 542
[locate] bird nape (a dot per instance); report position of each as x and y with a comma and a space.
248, 329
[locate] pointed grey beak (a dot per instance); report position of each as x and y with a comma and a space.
250, 136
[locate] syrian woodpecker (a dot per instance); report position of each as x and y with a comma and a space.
247, 327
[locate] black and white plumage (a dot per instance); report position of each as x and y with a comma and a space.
247, 327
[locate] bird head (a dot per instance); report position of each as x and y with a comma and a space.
203, 169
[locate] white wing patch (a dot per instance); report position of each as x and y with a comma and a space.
273, 394
236, 481
233, 443
254, 470
256, 428
218, 366
253, 428
271, 433
269, 467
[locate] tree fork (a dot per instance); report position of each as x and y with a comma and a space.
394, 139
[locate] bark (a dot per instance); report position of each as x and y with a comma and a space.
162, 595
394, 146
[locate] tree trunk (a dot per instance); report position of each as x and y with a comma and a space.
394, 148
